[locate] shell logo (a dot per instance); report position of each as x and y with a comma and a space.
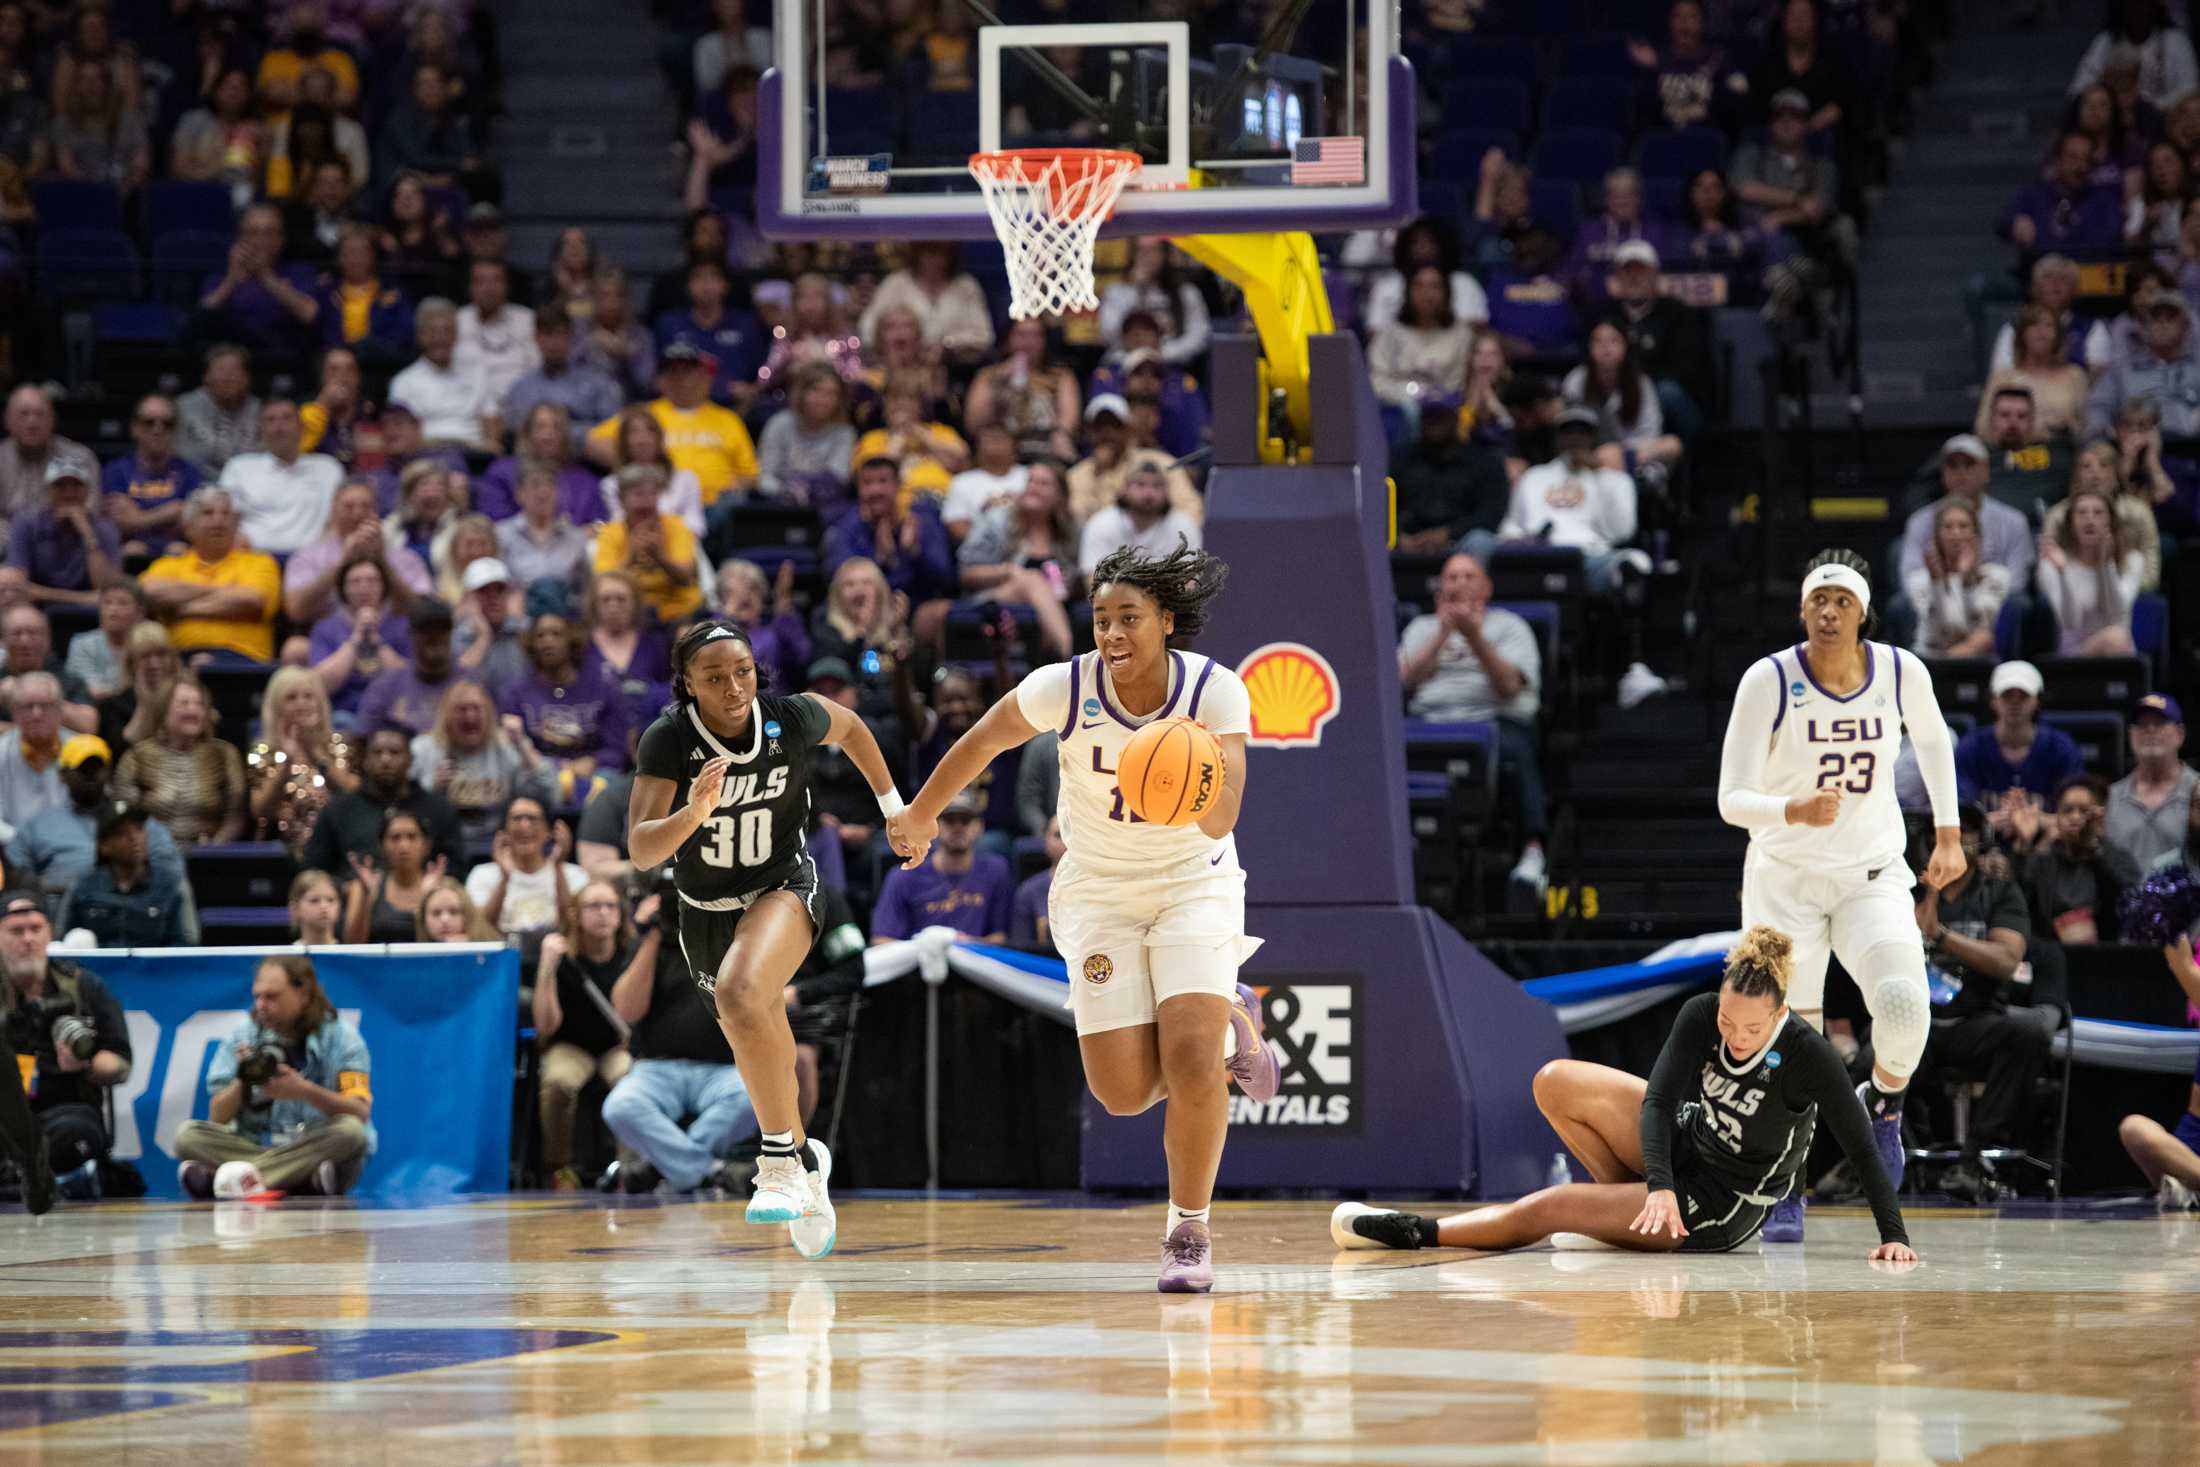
1293, 691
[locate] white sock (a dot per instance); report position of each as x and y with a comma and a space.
1229, 1043
1184, 1215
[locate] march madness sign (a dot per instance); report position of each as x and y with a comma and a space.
1314, 1024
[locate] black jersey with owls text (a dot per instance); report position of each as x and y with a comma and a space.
758, 838
1750, 1124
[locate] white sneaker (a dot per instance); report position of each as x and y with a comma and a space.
2175, 1196
1356, 1225
813, 1233
1637, 684
1530, 870
781, 1192
1581, 1243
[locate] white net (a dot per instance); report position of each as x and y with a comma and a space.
1048, 208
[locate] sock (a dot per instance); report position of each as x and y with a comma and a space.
1184, 1215
779, 1143
1881, 1105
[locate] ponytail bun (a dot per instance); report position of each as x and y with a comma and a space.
1761, 963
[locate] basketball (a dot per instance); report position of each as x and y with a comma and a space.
1171, 772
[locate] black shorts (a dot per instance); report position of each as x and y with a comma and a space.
1719, 1219
707, 932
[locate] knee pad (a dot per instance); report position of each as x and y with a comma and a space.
1902, 1016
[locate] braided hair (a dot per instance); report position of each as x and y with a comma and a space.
698, 636
1868, 629
1182, 582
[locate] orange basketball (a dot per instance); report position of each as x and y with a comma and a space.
1171, 772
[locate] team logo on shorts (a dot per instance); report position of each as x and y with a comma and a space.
1294, 692
1098, 969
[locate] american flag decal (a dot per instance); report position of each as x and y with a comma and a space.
1329, 160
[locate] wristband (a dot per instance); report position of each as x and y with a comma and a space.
889, 804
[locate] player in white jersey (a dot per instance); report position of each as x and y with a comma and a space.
1808, 771
1151, 918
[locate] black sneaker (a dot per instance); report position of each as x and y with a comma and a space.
38, 1183
630, 1177
1356, 1225
197, 1180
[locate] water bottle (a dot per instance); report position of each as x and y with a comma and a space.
1560, 1173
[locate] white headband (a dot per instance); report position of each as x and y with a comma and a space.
1842, 576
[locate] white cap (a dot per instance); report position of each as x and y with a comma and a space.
1969, 444
1841, 576
1636, 252
236, 1180
2022, 676
1111, 403
487, 571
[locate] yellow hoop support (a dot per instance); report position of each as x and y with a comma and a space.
1280, 276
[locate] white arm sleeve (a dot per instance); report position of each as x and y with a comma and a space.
1748, 741
1043, 696
1929, 736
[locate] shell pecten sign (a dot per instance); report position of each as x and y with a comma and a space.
1294, 693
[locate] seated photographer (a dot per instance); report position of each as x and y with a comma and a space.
289, 1092
682, 1106
1976, 931
63, 1019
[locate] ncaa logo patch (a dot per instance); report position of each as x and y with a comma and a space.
1098, 969
1772, 1060
771, 728
1294, 694
1795, 690
1092, 708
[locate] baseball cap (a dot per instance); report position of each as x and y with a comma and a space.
1790, 99
2169, 300
19, 903
115, 814
484, 213
686, 354
487, 571
1110, 403
429, 614
1968, 445
2022, 676
1636, 252
831, 669
1578, 417
61, 467
966, 802
2153, 705
78, 748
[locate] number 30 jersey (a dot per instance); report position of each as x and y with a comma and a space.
1788, 736
758, 839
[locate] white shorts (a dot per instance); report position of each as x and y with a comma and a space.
1844, 912
1132, 941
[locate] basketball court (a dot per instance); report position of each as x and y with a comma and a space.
557, 1330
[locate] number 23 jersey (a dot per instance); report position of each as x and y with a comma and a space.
1814, 740
758, 838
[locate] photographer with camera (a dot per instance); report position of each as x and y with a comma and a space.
70, 1042
289, 1092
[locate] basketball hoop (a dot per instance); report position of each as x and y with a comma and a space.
1048, 205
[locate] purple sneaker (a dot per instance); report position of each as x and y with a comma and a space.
1254, 1065
1185, 1265
1886, 1136
1784, 1224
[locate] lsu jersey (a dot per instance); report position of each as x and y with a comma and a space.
1816, 740
1077, 701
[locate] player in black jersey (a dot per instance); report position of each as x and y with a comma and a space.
722, 788
1695, 1158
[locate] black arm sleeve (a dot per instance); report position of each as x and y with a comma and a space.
1825, 1082
1695, 1032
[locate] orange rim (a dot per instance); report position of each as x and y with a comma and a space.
1078, 164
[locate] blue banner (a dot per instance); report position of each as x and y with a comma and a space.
439, 1022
